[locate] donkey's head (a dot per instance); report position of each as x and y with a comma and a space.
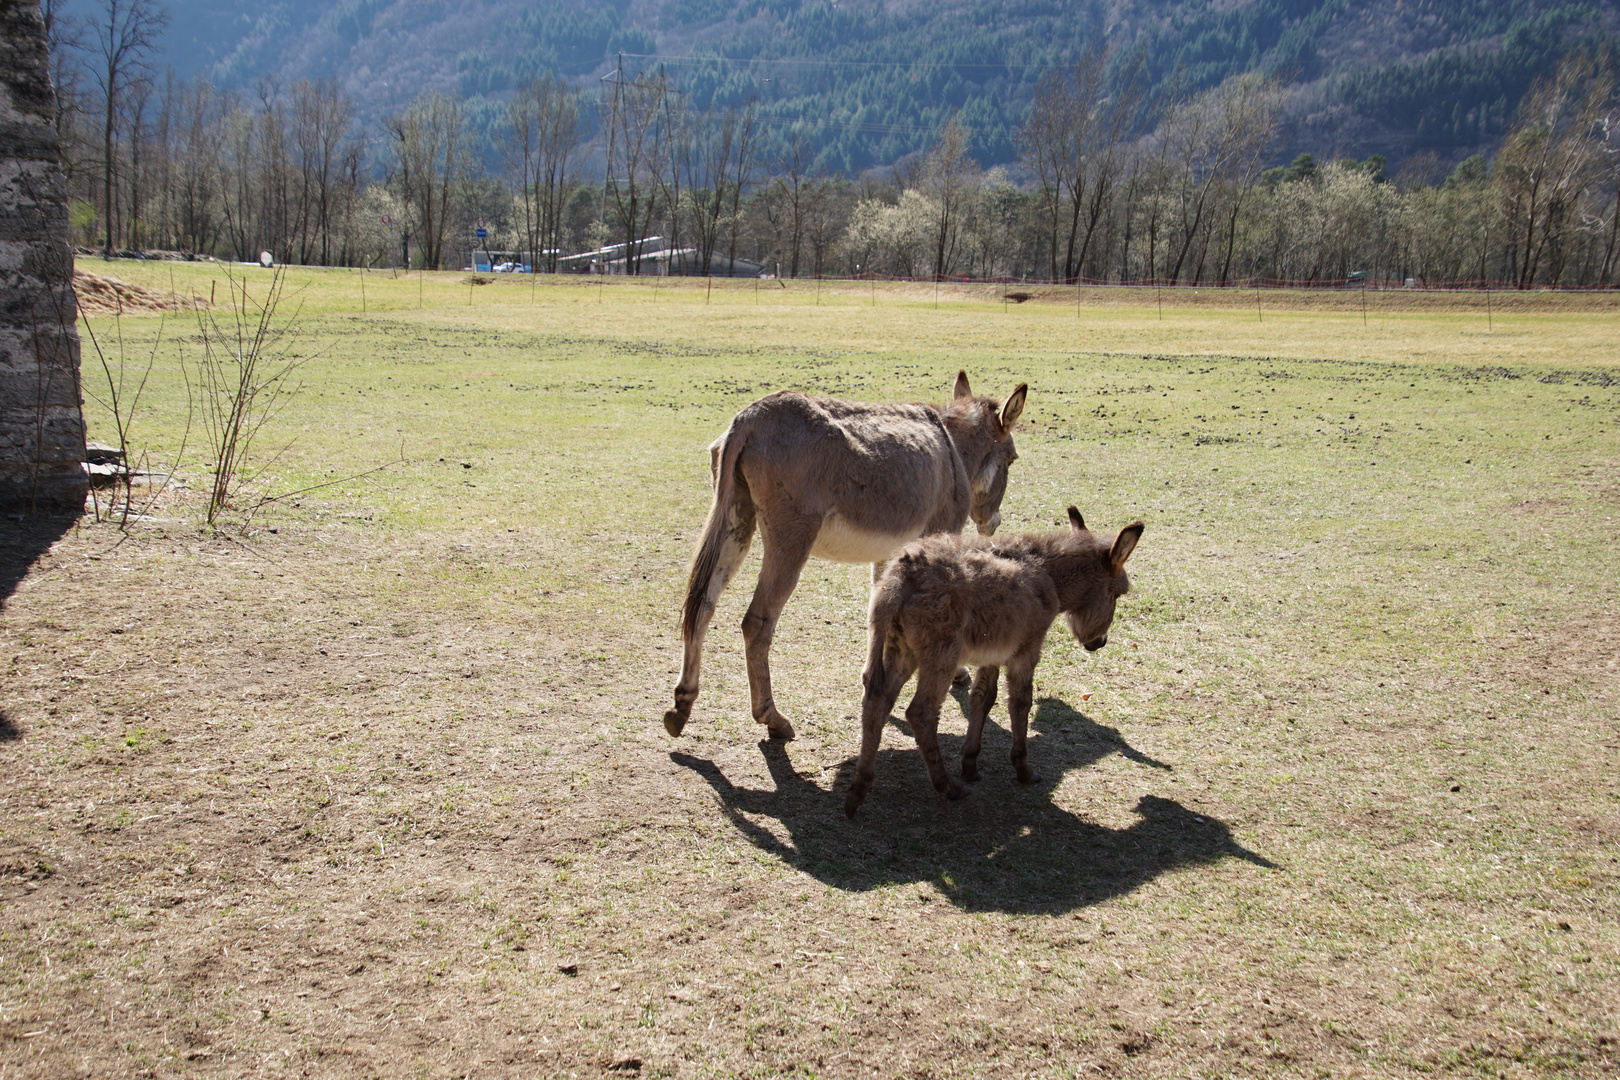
1097, 580
982, 432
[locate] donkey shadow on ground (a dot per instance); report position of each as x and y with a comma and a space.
1006, 847
23, 539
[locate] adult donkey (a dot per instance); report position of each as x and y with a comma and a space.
840, 480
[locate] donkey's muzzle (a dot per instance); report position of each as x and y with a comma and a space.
989, 527
1093, 646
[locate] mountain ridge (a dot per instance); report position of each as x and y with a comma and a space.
868, 82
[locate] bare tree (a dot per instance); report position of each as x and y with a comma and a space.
430, 166
1549, 160
64, 36
826, 216
949, 179
1610, 155
637, 149
717, 161
322, 121
1215, 143
793, 166
123, 34
136, 102
542, 136
1076, 141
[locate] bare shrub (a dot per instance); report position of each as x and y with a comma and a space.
243, 379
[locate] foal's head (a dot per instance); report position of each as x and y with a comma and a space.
1097, 580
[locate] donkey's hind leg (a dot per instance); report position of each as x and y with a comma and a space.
786, 552
883, 686
933, 683
732, 548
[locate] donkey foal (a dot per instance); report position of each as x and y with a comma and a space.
946, 600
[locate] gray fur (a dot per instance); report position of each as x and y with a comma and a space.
841, 480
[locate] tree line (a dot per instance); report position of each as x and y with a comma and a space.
1117, 180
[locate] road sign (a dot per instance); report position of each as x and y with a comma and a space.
483, 233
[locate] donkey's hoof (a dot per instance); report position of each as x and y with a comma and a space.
776, 724
852, 803
674, 722
1028, 776
957, 792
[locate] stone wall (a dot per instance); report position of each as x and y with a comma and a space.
41, 422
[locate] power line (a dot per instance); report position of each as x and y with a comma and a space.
825, 63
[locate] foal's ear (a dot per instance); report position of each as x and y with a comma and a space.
1013, 407
1076, 522
962, 388
1124, 544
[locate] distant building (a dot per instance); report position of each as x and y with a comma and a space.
658, 260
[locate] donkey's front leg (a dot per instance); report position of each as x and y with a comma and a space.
980, 701
1020, 694
778, 576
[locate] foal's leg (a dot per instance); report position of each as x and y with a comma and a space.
882, 687
1020, 693
786, 551
933, 683
980, 700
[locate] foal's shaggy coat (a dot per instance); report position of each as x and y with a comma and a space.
948, 600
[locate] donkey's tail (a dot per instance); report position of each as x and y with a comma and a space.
724, 519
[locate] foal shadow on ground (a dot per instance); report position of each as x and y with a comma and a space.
1005, 848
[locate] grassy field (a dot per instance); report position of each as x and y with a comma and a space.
373, 781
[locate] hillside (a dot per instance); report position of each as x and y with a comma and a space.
868, 81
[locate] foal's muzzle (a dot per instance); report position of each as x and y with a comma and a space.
988, 528
1093, 646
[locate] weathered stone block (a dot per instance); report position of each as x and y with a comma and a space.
41, 423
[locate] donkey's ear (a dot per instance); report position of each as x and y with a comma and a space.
1013, 407
1124, 544
962, 389
1076, 522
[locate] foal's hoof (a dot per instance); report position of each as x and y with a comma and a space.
1028, 776
957, 792
674, 722
852, 803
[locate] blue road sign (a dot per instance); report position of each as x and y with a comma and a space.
483, 234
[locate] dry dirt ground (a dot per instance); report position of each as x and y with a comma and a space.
356, 799
267, 820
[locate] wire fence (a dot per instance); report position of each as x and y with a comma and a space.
1339, 284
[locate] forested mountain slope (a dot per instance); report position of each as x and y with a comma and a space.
866, 82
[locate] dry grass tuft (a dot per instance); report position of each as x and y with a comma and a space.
100, 295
